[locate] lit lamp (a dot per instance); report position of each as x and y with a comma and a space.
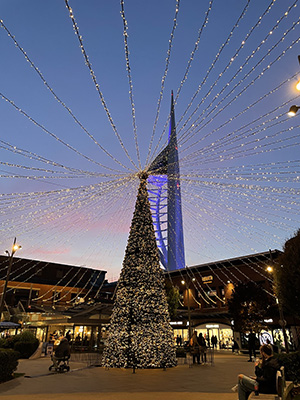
293, 110
15, 247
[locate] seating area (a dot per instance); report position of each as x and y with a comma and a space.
284, 389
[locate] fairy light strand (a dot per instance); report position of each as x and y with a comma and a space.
205, 22
236, 25
50, 133
164, 78
128, 69
92, 73
57, 98
239, 70
229, 103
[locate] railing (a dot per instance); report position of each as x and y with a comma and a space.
87, 358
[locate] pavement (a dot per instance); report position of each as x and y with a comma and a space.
198, 382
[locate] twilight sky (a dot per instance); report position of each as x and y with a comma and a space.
77, 126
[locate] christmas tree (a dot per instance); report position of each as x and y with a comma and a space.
140, 335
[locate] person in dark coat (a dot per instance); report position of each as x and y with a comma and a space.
195, 350
202, 344
235, 346
68, 336
61, 351
265, 379
251, 345
214, 341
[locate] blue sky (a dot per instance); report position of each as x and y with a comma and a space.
240, 171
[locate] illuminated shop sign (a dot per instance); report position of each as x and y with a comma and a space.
207, 279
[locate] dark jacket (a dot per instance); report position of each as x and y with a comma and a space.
266, 375
63, 349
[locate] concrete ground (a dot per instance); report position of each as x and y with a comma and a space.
200, 382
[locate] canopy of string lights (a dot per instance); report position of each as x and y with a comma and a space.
85, 102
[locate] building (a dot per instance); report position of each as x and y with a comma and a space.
204, 290
49, 297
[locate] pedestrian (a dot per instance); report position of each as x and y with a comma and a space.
177, 340
274, 347
68, 336
265, 379
203, 348
208, 341
235, 346
214, 341
195, 348
251, 345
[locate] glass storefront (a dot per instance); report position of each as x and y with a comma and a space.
223, 333
86, 338
275, 337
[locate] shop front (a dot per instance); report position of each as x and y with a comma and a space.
222, 332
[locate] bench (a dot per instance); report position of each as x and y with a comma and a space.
283, 387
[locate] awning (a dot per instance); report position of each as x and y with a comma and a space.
9, 325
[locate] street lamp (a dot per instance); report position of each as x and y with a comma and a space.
15, 247
282, 321
187, 283
293, 110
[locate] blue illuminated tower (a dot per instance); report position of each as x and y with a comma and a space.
165, 177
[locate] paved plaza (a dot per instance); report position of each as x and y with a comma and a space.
200, 382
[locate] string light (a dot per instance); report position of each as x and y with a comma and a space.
272, 91
253, 69
50, 133
58, 99
188, 67
88, 64
236, 25
265, 196
128, 69
164, 78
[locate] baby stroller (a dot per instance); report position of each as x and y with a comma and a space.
60, 364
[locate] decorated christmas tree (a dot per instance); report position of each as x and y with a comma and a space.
140, 335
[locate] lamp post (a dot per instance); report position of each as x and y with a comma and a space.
282, 321
187, 283
15, 247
